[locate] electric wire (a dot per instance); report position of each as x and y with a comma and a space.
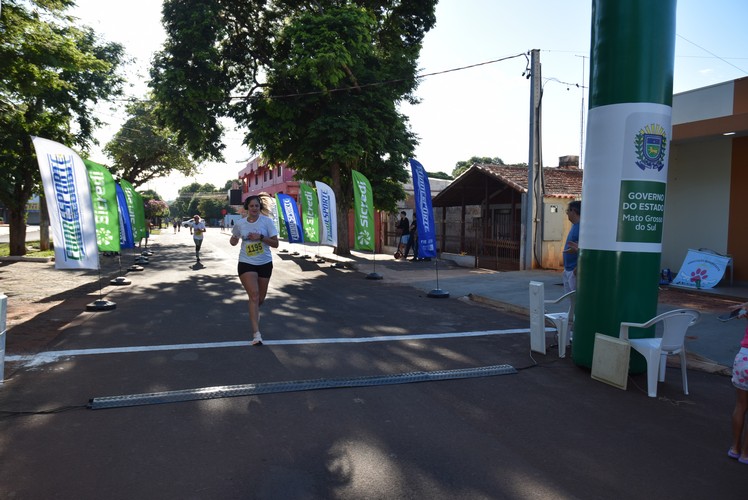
712, 54
320, 92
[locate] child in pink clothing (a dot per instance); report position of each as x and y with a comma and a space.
739, 448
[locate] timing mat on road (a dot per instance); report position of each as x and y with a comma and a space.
230, 391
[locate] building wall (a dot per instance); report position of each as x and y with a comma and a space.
737, 239
708, 175
258, 178
698, 198
553, 249
703, 104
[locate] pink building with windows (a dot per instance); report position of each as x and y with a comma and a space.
258, 177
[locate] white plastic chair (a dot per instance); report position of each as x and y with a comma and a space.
561, 320
656, 350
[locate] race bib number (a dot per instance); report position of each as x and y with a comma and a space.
253, 248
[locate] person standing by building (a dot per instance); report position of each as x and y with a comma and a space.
197, 228
412, 241
571, 248
257, 234
402, 231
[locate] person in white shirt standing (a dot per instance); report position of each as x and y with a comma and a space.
257, 234
197, 228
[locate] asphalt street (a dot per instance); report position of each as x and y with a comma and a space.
331, 405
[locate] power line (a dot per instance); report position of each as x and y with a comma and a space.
386, 82
365, 85
342, 89
712, 54
567, 84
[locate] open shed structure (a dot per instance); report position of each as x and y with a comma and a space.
481, 213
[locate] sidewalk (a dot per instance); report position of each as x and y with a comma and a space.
710, 344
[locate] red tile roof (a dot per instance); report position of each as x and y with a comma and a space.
559, 182
469, 188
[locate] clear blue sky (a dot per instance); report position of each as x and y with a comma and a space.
482, 111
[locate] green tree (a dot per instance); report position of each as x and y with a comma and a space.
230, 183
210, 208
155, 207
323, 83
461, 166
149, 194
188, 199
142, 150
440, 175
53, 74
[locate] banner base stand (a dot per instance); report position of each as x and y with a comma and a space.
306, 256
101, 305
438, 293
135, 268
146, 253
374, 276
119, 281
142, 260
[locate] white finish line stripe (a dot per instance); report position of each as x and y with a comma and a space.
52, 356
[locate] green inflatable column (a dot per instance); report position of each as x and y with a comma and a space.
625, 170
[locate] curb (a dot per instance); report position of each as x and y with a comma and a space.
702, 364
23, 258
702, 293
497, 304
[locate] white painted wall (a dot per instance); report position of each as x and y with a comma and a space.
704, 103
698, 198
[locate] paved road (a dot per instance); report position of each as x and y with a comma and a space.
545, 430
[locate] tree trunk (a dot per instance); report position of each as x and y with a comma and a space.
343, 248
43, 224
17, 245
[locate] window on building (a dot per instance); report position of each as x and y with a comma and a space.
265, 176
270, 173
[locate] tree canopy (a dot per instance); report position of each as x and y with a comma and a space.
461, 166
154, 205
440, 175
142, 150
53, 74
316, 85
190, 201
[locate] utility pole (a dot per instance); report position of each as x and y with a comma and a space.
534, 184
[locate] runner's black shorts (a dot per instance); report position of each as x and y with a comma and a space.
263, 271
